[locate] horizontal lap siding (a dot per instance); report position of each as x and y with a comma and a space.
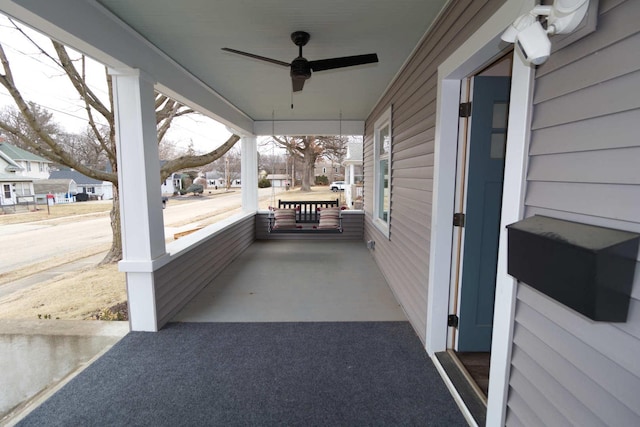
179, 281
403, 258
583, 166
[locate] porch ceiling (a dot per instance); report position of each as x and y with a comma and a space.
192, 32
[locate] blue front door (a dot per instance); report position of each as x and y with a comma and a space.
487, 145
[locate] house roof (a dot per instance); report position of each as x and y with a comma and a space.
278, 176
79, 178
179, 45
9, 177
17, 153
45, 186
12, 166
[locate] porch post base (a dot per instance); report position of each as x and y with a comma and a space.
142, 302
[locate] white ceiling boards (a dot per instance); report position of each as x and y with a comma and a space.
193, 33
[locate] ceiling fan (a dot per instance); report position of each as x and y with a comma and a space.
301, 68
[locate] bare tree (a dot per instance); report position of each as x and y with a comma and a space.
168, 149
272, 163
42, 137
307, 149
228, 166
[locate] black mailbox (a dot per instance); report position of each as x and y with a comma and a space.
587, 268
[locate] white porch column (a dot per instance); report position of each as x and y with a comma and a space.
348, 188
249, 173
140, 196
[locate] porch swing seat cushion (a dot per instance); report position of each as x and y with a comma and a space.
329, 219
284, 219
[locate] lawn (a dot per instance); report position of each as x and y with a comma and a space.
57, 211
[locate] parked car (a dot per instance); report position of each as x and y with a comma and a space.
337, 186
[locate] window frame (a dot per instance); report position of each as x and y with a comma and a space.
383, 121
6, 190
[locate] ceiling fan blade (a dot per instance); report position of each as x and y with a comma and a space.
261, 58
297, 84
345, 61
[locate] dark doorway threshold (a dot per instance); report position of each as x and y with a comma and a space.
477, 365
472, 394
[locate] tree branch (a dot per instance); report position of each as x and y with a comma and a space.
184, 162
79, 83
7, 81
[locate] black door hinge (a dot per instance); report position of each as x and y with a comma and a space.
465, 109
452, 320
458, 219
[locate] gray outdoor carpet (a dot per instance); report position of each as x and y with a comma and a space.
262, 374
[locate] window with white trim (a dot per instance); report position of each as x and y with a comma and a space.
6, 188
382, 172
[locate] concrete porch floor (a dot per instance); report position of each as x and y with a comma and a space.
272, 281
297, 281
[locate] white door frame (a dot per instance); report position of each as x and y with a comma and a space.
479, 50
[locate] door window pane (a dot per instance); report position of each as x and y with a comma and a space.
500, 115
498, 145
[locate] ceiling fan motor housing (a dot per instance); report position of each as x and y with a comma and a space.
300, 68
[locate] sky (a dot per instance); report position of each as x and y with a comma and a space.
41, 82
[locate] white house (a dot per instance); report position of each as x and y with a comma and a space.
214, 180
28, 164
279, 179
172, 184
90, 186
14, 188
18, 170
353, 174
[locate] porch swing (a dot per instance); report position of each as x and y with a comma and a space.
294, 217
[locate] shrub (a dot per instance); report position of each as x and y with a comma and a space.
322, 180
264, 183
195, 189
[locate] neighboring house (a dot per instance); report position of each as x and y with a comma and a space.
214, 180
173, 184
561, 137
15, 189
100, 189
62, 189
279, 179
16, 181
333, 171
28, 164
353, 174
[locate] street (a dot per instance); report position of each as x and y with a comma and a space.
68, 239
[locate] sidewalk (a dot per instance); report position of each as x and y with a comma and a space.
34, 279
